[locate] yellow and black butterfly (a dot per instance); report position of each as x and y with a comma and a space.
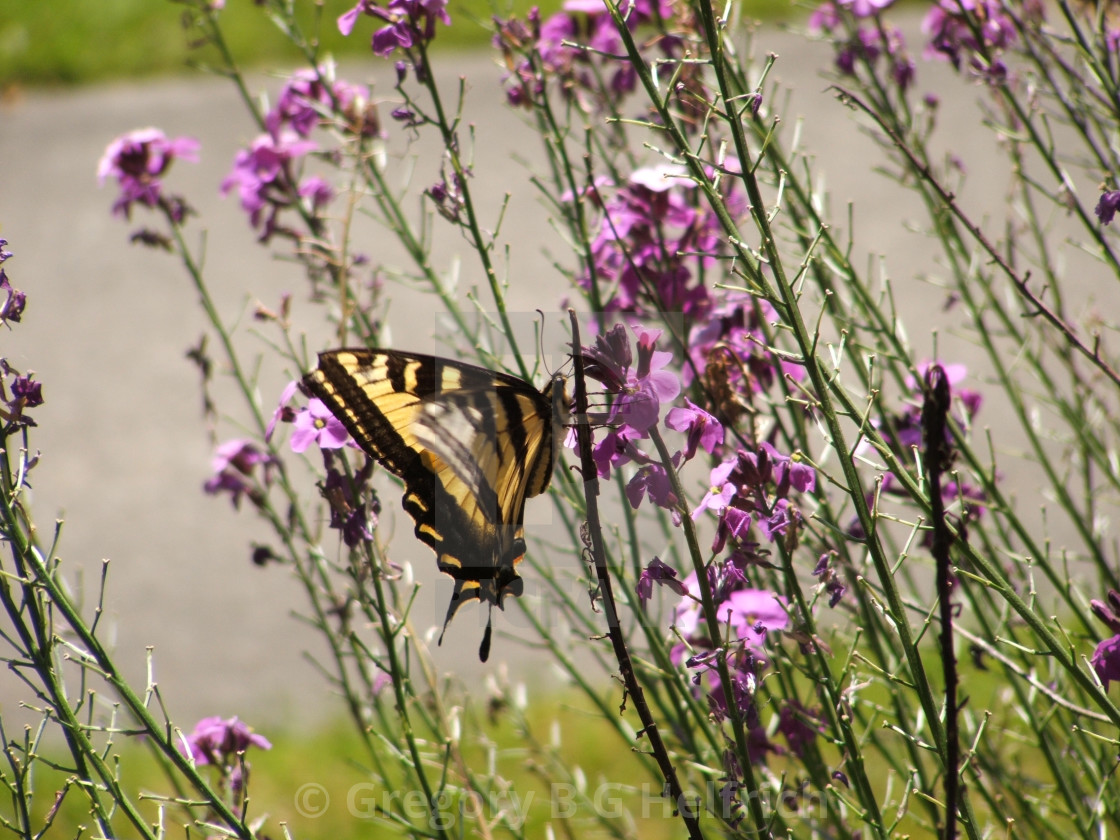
470, 444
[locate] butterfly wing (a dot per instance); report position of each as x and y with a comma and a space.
470, 444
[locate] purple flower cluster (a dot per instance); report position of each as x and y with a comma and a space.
218, 742
408, 23
756, 486
966, 33
22, 392
752, 487
313, 97
223, 744
636, 397
656, 239
234, 464
861, 37
1106, 658
353, 503
749, 616
139, 160
730, 344
268, 175
1107, 206
538, 51
355, 507
11, 310
972, 32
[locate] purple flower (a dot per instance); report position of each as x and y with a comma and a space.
609, 358
824, 18
1108, 613
783, 519
593, 76
310, 97
703, 429
447, 194
347, 20
1106, 207
405, 115
903, 71
234, 464
649, 386
1106, 660
730, 349
757, 483
655, 238
659, 573
752, 613
720, 490
829, 578
263, 178
14, 300
351, 514
240, 455
638, 393
316, 424
283, 411
865, 8
317, 190
865, 46
652, 480
217, 741
743, 688
734, 523
952, 27
409, 22
767, 466
300, 103
26, 391
615, 449
138, 160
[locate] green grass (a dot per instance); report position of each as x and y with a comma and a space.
559, 725
333, 759
70, 42
67, 42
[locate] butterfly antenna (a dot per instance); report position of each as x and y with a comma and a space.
540, 344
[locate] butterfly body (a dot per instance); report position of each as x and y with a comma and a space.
470, 444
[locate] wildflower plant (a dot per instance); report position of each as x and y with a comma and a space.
812, 602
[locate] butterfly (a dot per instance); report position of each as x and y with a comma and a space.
470, 444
